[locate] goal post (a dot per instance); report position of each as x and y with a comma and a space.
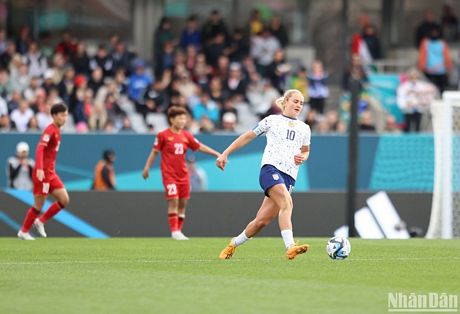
445, 209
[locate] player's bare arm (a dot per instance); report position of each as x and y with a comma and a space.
148, 163
241, 141
40, 173
303, 155
208, 150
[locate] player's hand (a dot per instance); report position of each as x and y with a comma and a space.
40, 175
221, 162
145, 173
299, 159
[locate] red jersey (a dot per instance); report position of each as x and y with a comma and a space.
47, 148
173, 147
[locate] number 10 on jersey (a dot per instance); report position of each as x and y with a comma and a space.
290, 135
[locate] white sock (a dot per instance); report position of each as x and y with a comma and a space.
242, 238
288, 238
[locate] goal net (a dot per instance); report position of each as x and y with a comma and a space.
445, 208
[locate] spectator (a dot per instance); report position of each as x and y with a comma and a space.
359, 48
44, 117
68, 46
206, 107
112, 107
19, 168
413, 98
59, 67
120, 57
198, 177
120, 81
261, 95
365, 122
216, 91
213, 26
138, 83
97, 80
7, 55
80, 60
235, 85
95, 111
229, 122
114, 40
311, 119
215, 49
298, 80
190, 57
278, 71
6, 87
191, 36
126, 126
255, 25
201, 71
318, 90
425, 27
263, 49
48, 80
31, 90
21, 117
39, 103
390, 125
238, 47
165, 59
435, 61
450, 26
334, 122
369, 35
35, 60
355, 71
21, 79
163, 34
13, 103
109, 127
47, 48
32, 126
67, 84
23, 40
279, 31
102, 60
104, 172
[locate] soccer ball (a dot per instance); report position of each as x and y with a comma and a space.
338, 248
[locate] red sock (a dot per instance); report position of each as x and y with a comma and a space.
31, 215
53, 210
181, 222
173, 222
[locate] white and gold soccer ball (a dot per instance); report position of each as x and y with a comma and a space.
338, 248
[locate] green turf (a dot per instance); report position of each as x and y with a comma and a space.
65, 275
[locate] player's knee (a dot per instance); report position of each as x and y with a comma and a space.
64, 201
261, 222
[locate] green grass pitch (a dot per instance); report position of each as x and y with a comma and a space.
159, 275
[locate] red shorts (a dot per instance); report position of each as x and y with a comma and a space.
48, 185
175, 190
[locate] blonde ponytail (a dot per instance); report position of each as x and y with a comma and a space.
280, 102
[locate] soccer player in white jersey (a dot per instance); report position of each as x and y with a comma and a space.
288, 146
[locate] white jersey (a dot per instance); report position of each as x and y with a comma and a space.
285, 137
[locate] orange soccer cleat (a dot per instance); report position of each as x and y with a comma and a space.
296, 249
227, 253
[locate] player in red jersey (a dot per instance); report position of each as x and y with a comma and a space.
44, 177
173, 143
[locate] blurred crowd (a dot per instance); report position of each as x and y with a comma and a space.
227, 79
